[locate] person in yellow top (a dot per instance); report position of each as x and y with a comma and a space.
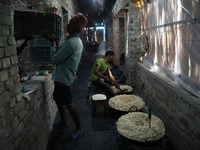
101, 75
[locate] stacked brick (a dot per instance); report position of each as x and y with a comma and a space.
178, 108
10, 87
115, 37
23, 124
134, 31
109, 31
37, 116
116, 42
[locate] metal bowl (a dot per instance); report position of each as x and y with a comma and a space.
114, 113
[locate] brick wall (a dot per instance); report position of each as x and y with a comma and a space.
36, 114
134, 31
109, 33
115, 36
116, 45
122, 35
176, 107
23, 124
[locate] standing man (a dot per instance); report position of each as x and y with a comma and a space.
101, 75
66, 59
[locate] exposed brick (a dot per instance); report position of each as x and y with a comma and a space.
5, 2
5, 63
16, 78
0, 30
1, 52
3, 140
9, 117
32, 101
14, 59
13, 70
19, 107
182, 118
15, 122
116, 46
19, 97
11, 40
8, 130
27, 109
5, 20
28, 119
25, 144
12, 102
3, 75
5, 9
2, 87
2, 124
4, 110
4, 98
10, 140
21, 115
15, 89
18, 141
10, 50
12, 32
3, 41
24, 133
9, 83
5, 30
18, 130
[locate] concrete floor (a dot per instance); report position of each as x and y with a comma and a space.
100, 132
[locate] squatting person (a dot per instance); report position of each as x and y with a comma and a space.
101, 75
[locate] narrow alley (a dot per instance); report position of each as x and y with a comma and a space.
100, 132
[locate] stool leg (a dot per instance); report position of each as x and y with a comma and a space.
90, 93
102, 92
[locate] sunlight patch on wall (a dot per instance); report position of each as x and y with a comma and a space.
178, 43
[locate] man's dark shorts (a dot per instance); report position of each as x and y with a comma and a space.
62, 94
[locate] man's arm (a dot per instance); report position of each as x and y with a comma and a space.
113, 79
58, 53
61, 53
99, 74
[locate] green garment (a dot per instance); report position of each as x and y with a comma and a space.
103, 67
66, 60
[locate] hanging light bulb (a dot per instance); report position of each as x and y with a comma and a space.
137, 3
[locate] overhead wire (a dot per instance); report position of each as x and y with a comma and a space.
22, 3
